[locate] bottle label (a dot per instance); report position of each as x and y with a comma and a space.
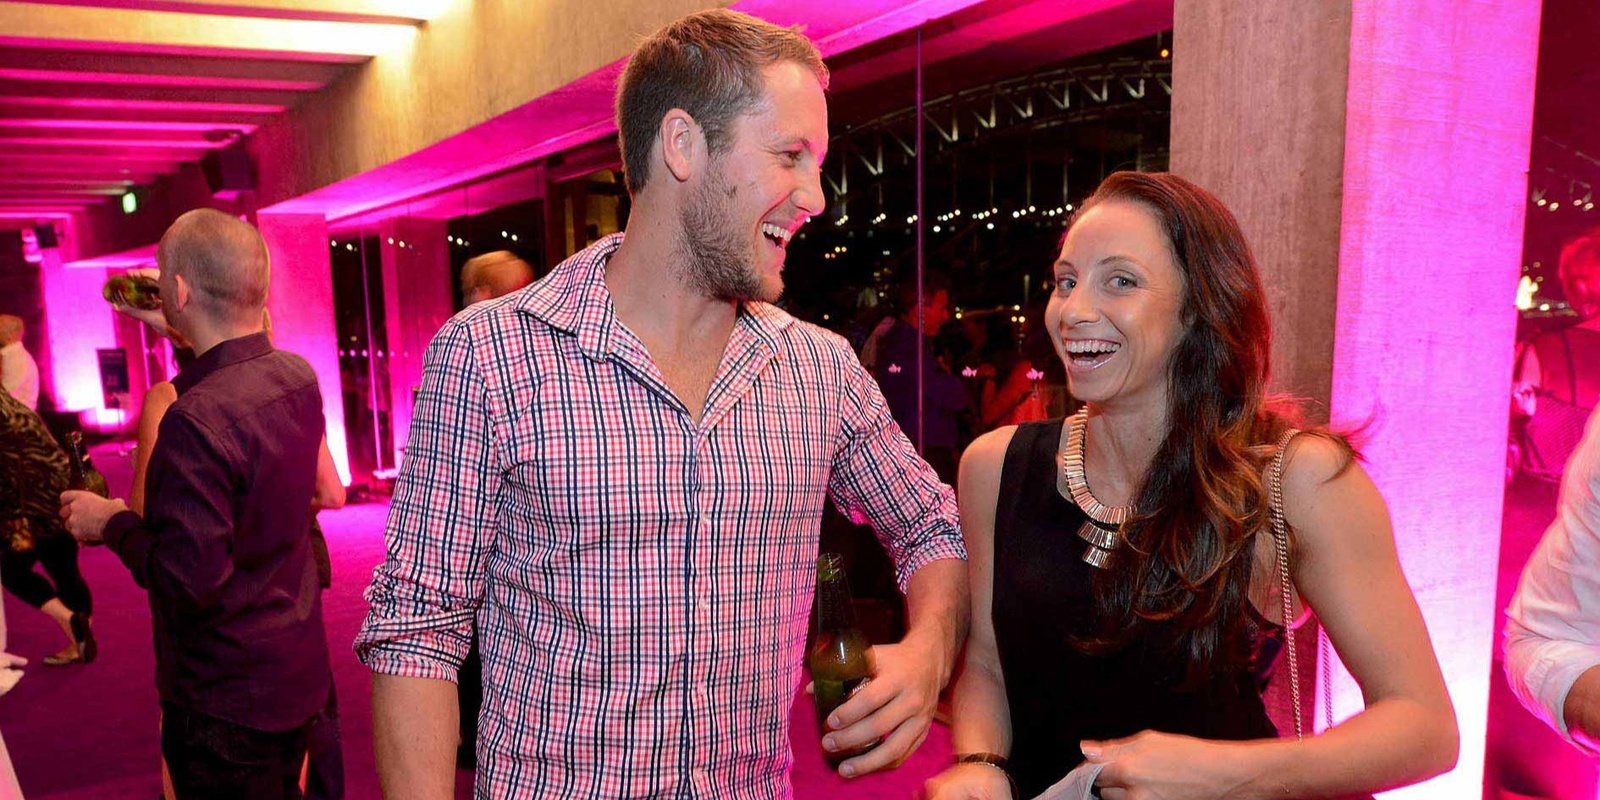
832, 693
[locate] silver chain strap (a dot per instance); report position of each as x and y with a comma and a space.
1280, 539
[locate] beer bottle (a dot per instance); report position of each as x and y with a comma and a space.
132, 290
838, 657
81, 474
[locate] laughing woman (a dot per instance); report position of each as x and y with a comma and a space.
1126, 584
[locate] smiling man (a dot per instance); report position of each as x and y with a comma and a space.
618, 474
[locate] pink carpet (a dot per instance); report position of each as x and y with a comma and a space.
90, 731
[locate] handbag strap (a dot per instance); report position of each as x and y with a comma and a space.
1280, 540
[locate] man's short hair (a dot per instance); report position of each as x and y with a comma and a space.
501, 272
710, 65
11, 329
223, 258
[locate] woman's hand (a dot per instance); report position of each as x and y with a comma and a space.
968, 782
1161, 766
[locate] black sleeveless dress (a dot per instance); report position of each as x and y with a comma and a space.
1059, 696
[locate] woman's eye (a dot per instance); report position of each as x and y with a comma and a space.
1123, 282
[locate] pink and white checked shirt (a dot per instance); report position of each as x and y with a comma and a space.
642, 583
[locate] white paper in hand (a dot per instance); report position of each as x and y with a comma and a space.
1078, 785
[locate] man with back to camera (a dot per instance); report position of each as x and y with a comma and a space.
491, 275
619, 473
224, 546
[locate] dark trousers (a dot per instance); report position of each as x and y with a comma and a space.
325, 765
58, 553
213, 758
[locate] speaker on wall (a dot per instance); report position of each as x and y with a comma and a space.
46, 234
227, 172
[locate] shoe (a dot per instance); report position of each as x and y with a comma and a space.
66, 656
83, 635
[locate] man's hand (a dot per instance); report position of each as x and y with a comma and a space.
895, 707
86, 515
155, 318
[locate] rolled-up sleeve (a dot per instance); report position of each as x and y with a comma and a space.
878, 475
1552, 631
425, 594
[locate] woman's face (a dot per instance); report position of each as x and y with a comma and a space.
1116, 315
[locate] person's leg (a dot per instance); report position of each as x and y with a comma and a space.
325, 769
59, 557
58, 611
18, 577
210, 758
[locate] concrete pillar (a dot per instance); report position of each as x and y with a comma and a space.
301, 303
1375, 154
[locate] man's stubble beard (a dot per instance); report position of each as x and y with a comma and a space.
718, 262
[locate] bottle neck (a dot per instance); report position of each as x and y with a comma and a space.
836, 609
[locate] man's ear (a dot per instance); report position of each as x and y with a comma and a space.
683, 144
182, 300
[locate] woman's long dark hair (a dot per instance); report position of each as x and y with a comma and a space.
1181, 582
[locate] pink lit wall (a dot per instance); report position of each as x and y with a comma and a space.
301, 303
1437, 138
79, 322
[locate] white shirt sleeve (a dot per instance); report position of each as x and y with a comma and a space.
1553, 623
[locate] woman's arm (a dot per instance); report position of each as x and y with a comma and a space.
982, 720
157, 400
1347, 569
330, 489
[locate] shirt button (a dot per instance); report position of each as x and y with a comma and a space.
705, 605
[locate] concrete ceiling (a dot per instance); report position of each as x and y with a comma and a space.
99, 96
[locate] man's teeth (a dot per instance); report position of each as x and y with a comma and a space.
781, 234
1092, 347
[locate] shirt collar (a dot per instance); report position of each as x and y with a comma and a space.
224, 354
574, 298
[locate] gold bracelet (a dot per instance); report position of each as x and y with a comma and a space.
992, 759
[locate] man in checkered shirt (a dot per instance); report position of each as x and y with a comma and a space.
618, 475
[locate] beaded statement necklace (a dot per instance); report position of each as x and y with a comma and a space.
1103, 528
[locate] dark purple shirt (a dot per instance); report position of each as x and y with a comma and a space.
224, 550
